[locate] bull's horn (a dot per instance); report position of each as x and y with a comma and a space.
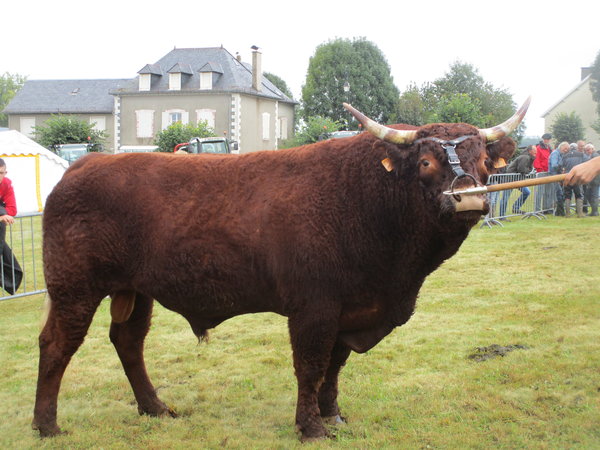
499, 131
381, 131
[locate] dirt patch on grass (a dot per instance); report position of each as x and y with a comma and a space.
494, 351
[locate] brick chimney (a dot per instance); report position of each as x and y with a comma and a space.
256, 69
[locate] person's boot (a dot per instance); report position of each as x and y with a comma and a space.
567, 208
579, 207
594, 208
560, 209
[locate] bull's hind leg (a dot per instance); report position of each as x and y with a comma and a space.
328, 405
313, 337
66, 325
128, 339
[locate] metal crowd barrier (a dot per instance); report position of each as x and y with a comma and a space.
513, 203
24, 237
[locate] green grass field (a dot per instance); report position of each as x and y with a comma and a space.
532, 283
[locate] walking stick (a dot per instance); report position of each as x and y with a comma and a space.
510, 185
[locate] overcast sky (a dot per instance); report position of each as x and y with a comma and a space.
527, 47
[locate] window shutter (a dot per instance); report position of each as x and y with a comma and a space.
266, 131
145, 123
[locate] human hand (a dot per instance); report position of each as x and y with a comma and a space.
7, 219
583, 173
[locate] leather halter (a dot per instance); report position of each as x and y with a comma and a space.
453, 159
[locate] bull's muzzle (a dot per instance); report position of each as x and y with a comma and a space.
470, 203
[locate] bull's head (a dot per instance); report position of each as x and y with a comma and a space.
447, 156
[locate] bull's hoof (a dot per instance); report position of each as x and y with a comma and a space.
334, 420
161, 410
47, 430
313, 434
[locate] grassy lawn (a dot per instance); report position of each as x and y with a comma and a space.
533, 284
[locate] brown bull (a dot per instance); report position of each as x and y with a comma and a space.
325, 235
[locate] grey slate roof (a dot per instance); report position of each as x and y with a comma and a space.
96, 96
231, 75
181, 68
64, 96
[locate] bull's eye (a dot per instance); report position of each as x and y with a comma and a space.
425, 163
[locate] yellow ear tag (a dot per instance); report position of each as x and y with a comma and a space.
500, 163
387, 163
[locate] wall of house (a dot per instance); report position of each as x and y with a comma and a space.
580, 101
14, 123
253, 135
220, 103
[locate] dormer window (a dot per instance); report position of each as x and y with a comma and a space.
175, 81
205, 80
146, 74
209, 72
178, 75
145, 79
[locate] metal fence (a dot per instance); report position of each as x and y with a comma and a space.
523, 203
24, 237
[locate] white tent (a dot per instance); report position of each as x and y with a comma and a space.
33, 170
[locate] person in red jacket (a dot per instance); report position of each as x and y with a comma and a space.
8, 204
11, 273
543, 153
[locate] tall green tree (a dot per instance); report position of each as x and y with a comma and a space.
567, 127
177, 133
359, 66
494, 105
9, 86
461, 95
595, 88
411, 107
61, 129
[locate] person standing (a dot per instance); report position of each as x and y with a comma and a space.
543, 151
571, 159
10, 270
8, 204
555, 167
522, 164
590, 190
540, 164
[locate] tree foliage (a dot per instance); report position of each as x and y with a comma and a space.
279, 83
179, 133
595, 88
461, 95
411, 107
9, 86
359, 65
567, 127
61, 129
313, 130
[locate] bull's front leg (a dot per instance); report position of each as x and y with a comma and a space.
328, 405
313, 337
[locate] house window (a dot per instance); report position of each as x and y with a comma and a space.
283, 128
144, 123
209, 115
98, 123
27, 125
145, 79
266, 129
206, 80
172, 116
175, 81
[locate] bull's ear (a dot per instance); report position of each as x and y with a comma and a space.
500, 152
